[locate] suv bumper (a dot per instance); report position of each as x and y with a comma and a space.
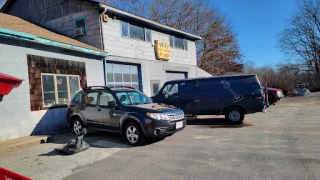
160, 128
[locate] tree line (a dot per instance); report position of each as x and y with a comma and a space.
285, 76
300, 41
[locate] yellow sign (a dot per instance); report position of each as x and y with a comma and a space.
162, 50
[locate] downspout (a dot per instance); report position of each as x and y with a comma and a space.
101, 21
102, 41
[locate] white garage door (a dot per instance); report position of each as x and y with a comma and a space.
122, 75
175, 75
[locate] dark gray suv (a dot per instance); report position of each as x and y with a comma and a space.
125, 111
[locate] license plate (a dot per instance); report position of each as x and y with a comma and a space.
179, 125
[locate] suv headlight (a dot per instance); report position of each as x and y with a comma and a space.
158, 116
183, 114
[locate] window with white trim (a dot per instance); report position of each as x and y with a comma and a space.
135, 32
58, 88
178, 43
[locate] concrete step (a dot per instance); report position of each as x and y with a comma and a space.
20, 143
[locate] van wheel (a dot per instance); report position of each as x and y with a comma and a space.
234, 115
133, 134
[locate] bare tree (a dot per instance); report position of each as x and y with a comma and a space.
219, 53
283, 76
301, 39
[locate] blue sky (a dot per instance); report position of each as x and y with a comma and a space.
257, 23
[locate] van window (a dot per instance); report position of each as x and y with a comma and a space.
171, 89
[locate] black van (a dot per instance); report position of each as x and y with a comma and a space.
232, 96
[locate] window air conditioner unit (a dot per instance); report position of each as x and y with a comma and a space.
79, 31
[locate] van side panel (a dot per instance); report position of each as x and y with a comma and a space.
212, 96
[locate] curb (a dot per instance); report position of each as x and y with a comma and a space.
21, 143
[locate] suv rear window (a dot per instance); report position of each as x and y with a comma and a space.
91, 98
78, 97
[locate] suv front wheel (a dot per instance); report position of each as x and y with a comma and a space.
133, 134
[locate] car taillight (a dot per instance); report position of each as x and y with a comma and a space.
258, 98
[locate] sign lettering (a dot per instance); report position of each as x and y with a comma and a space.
162, 49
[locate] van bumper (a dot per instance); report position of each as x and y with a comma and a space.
161, 128
260, 108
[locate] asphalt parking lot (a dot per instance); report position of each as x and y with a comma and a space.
283, 143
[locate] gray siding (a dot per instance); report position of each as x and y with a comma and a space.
65, 26
116, 45
59, 15
46, 10
16, 118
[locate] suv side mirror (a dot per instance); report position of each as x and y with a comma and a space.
112, 104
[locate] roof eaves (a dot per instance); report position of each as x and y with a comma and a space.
29, 37
195, 37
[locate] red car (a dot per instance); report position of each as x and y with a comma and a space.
274, 95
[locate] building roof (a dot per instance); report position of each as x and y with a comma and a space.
150, 23
12, 26
132, 17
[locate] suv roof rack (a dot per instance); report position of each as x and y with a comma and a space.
91, 87
129, 87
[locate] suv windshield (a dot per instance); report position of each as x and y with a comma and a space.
132, 98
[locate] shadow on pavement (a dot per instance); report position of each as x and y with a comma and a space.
214, 123
96, 139
53, 153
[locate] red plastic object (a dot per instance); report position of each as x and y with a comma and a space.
9, 175
7, 83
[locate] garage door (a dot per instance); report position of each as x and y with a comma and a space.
122, 75
175, 75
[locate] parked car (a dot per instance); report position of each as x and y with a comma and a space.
274, 94
125, 111
232, 96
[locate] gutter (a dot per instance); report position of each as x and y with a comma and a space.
32, 38
101, 29
149, 21
102, 42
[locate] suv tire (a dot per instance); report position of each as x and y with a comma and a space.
234, 115
77, 126
133, 134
